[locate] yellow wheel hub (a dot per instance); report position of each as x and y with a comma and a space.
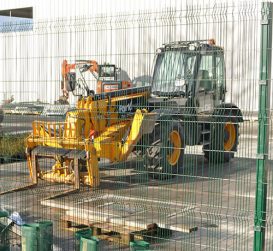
229, 136
175, 140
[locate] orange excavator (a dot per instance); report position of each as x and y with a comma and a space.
105, 74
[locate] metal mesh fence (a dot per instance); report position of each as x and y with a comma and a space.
150, 129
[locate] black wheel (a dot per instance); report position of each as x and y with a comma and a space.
223, 142
164, 155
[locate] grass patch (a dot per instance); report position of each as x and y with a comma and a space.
12, 147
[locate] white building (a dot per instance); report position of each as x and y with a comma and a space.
126, 33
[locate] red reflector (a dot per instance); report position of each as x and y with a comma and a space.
92, 134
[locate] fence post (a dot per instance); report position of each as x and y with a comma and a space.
263, 135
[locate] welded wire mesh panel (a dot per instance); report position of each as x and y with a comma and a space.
140, 128
269, 191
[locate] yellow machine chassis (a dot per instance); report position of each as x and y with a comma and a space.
91, 132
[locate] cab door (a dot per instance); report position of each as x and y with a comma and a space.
220, 79
205, 84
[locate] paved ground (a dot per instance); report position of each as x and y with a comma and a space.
218, 199
18, 123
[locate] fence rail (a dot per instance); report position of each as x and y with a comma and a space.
182, 160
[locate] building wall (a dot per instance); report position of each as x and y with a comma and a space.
127, 34
70, 8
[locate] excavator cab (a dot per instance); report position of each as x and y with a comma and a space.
108, 72
108, 79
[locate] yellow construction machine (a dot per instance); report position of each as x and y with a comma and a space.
102, 126
185, 105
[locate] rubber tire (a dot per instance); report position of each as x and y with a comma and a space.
155, 158
214, 151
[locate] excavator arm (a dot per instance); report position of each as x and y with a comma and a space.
68, 71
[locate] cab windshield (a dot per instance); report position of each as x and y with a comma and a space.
172, 71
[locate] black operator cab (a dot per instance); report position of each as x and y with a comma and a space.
191, 70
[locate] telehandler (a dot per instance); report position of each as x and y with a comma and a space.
185, 105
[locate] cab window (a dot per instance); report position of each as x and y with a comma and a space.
220, 79
205, 74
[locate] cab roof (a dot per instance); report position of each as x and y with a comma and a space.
195, 45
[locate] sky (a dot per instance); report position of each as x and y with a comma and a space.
15, 24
